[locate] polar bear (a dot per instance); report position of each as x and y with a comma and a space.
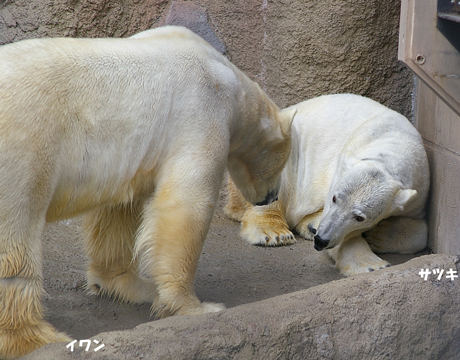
135, 134
356, 181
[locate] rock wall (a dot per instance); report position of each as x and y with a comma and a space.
295, 49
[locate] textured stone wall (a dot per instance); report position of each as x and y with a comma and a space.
295, 49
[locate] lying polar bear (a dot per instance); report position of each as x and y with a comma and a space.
356, 181
135, 134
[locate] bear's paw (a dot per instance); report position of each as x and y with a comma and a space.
367, 263
269, 236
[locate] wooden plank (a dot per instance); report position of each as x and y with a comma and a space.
427, 52
444, 203
440, 128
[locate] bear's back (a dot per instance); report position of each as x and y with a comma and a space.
174, 52
352, 123
165, 65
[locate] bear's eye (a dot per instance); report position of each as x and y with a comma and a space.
334, 199
359, 218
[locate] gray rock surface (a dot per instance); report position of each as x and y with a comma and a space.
389, 314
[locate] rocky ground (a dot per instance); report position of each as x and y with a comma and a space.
230, 271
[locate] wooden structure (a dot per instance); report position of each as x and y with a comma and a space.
429, 43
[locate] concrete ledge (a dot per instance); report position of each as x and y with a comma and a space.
392, 313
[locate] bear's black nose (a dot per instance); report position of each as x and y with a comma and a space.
320, 244
271, 196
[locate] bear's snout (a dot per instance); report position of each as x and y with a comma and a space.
271, 196
320, 244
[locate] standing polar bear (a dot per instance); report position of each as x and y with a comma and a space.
356, 181
135, 134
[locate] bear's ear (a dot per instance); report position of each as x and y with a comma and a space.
287, 119
402, 198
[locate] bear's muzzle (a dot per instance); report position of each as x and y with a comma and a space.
320, 244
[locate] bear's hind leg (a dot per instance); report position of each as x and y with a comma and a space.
112, 271
22, 328
398, 235
354, 256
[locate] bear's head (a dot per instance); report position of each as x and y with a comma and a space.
256, 167
357, 201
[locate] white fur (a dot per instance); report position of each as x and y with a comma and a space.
372, 160
135, 134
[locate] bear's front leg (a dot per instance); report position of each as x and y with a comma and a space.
236, 205
171, 237
308, 225
354, 256
260, 225
266, 226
